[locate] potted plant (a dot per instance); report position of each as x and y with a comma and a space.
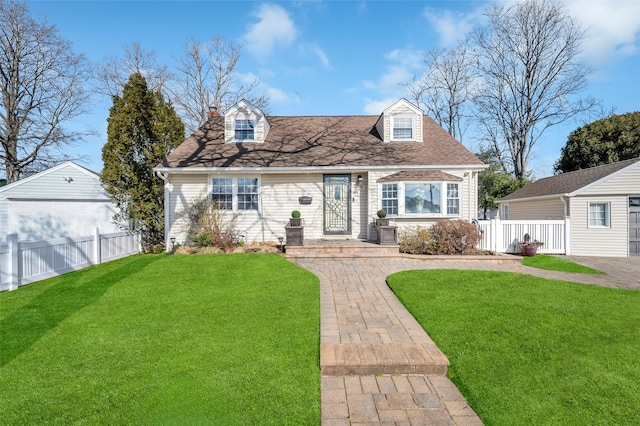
295, 220
294, 230
528, 247
382, 220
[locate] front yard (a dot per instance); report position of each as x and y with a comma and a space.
229, 339
531, 351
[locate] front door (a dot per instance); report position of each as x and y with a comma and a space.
634, 226
337, 204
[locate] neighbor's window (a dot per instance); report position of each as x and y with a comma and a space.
505, 212
599, 215
244, 130
236, 194
390, 198
453, 199
402, 128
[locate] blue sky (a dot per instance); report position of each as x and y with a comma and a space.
335, 57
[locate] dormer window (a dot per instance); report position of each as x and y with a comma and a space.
244, 130
402, 128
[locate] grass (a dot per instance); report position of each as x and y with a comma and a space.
555, 263
527, 350
157, 339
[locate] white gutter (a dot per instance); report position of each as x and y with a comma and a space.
315, 169
165, 178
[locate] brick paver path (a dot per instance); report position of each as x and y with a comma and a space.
378, 365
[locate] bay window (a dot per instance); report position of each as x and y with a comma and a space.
420, 198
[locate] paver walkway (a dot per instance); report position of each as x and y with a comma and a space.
378, 365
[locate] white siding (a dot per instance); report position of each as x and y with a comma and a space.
613, 241
627, 183
547, 209
183, 191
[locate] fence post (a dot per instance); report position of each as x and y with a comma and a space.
97, 247
567, 236
14, 262
497, 234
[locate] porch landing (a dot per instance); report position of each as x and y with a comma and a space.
342, 248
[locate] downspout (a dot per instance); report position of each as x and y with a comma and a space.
165, 178
261, 212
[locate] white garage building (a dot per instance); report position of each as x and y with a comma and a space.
64, 201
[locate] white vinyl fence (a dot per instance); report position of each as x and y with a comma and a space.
502, 236
29, 261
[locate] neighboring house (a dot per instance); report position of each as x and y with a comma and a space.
603, 204
64, 201
338, 171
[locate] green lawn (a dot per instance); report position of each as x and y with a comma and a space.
555, 263
530, 351
158, 339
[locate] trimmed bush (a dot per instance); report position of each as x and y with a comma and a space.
415, 240
295, 214
455, 237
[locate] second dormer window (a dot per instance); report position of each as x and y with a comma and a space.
244, 130
402, 128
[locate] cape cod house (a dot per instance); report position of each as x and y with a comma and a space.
603, 204
338, 171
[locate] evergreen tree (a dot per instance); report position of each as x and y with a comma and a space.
143, 129
605, 141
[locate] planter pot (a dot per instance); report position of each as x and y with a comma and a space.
382, 222
295, 221
387, 234
528, 250
295, 235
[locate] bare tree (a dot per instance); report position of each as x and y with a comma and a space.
41, 81
528, 60
207, 77
113, 73
446, 86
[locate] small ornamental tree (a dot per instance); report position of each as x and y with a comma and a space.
143, 129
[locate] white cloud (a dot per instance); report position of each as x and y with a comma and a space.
404, 63
278, 96
613, 28
322, 56
451, 26
274, 28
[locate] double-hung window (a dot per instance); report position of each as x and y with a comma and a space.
599, 215
453, 199
390, 198
402, 128
236, 194
244, 130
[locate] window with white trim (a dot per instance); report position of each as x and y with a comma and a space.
390, 198
236, 194
505, 212
244, 130
599, 215
420, 198
402, 128
453, 199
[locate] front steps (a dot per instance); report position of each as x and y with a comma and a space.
342, 249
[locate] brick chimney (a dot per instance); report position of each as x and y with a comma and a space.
213, 112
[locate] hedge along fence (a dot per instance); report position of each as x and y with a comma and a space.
30, 261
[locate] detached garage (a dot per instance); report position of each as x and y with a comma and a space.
63, 201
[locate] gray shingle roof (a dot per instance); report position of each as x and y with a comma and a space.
320, 141
567, 183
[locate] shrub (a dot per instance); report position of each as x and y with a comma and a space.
382, 213
415, 240
455, 237
295, 214
210, 226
